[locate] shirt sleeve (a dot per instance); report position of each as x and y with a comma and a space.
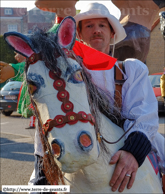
138, 145
139, 101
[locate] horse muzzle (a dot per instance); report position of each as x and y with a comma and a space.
84, 141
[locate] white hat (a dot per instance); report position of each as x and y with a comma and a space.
113, 9
97, 10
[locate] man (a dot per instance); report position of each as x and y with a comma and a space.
98, 29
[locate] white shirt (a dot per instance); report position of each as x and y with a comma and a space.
138, 99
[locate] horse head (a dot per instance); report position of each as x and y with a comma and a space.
58, 93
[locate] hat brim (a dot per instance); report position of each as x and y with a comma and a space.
117, 27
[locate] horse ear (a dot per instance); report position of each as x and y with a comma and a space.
20, 43
66, 33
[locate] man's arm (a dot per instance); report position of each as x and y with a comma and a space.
140, 101
128, 159
6, 72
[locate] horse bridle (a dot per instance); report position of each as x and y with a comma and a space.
67, 107
63, 96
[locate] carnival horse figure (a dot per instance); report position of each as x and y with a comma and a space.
138, 29
71, 127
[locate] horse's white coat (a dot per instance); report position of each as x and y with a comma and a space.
87, 172
75, 157
95, 178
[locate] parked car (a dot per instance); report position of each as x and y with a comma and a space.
155, 82
9, 97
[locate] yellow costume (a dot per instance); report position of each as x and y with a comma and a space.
162, 85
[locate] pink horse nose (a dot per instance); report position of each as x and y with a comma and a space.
85, 141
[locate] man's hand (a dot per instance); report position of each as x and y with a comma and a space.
126, 164
6, 72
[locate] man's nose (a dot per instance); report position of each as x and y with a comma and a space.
97, 30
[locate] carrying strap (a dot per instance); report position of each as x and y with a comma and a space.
119, 80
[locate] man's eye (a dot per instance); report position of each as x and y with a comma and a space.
78, 76
89, 26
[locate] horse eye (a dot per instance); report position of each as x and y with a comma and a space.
32, 88
76, 77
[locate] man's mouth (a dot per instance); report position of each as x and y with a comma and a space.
96, 37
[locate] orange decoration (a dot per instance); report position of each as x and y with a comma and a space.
56, 150
85, 140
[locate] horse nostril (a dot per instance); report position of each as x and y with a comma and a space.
57, 148
85, 141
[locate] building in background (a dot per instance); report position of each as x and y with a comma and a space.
40, 19
156, 57
23, 21
13, 19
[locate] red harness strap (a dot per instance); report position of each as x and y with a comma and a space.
71, 118
63, 96
67, 107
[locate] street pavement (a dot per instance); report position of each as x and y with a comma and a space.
17, 148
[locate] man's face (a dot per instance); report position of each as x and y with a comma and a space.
97, 34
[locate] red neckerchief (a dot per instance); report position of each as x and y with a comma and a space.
93, 59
